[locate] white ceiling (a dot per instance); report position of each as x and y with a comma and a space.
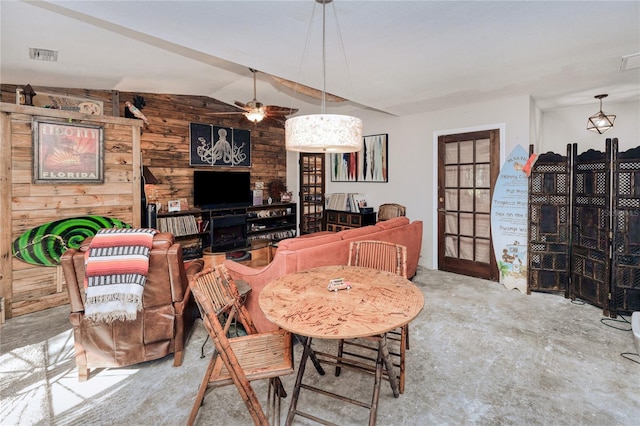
398, 57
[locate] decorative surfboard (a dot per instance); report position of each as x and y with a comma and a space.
45, 244
509, 220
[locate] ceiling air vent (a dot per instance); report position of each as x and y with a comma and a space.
43, 54
630, 62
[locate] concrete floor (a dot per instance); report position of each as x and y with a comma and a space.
480, 354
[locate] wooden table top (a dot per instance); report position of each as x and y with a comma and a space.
377, 302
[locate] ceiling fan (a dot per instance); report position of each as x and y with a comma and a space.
256, 111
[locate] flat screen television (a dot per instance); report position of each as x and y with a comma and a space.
217, 189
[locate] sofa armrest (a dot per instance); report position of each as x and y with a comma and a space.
258, 278
71, 279
178, 275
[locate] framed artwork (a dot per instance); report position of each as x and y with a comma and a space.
344, 167
368, 165
219, 146
373, 159
67, 153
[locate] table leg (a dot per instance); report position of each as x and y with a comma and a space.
314, 358
388, 363
296, 388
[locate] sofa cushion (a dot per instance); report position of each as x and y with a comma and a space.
392, 223
308, 241
357, 232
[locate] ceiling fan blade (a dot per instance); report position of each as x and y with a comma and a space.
306, 90
278, 119
241, 105
279, 110
225, 113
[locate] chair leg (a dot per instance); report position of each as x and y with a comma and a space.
404, 345
274, 398
339, 360
373, 412
201, 391
177, 358
405, 330
83, 373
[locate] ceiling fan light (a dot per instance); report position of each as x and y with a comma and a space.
254, 116
600, 122
323, 133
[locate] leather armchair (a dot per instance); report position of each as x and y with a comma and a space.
162, 326
391, 210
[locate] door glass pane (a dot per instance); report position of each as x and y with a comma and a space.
482, 251
451, 246
466, 224
451, 176
483, 200
482, 151
451, 153
451, 223
451, 199
466, 199
483, 225
466, 248
466, 176
483, 178
466, 152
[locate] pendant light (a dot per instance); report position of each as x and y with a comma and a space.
323, 132
600, 122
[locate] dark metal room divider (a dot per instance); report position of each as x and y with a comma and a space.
584, 226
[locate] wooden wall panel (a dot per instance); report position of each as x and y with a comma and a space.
165, 142
25, 287
163, 146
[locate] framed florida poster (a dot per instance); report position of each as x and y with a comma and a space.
67, 153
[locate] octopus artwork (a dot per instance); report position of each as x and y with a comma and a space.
222, 151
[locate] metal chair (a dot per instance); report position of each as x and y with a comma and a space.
388, 257
391, 210
239, 360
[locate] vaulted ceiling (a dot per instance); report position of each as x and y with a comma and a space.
397, 57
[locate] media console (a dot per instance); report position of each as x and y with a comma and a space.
228, 229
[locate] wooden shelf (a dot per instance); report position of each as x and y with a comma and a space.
339, 220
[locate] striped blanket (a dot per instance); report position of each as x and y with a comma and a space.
116, 267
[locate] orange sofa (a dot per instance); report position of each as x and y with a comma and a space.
323, 249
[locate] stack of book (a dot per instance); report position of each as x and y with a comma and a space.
348, 202
178, 225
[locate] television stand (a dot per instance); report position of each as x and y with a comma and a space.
229, 229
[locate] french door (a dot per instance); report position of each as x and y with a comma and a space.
468, 167
311, 192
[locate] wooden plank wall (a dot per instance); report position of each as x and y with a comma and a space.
165, 142
163, 145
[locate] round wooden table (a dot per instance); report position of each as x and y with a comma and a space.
377, 302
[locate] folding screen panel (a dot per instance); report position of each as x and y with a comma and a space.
591, 206
625, 266
549, 223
